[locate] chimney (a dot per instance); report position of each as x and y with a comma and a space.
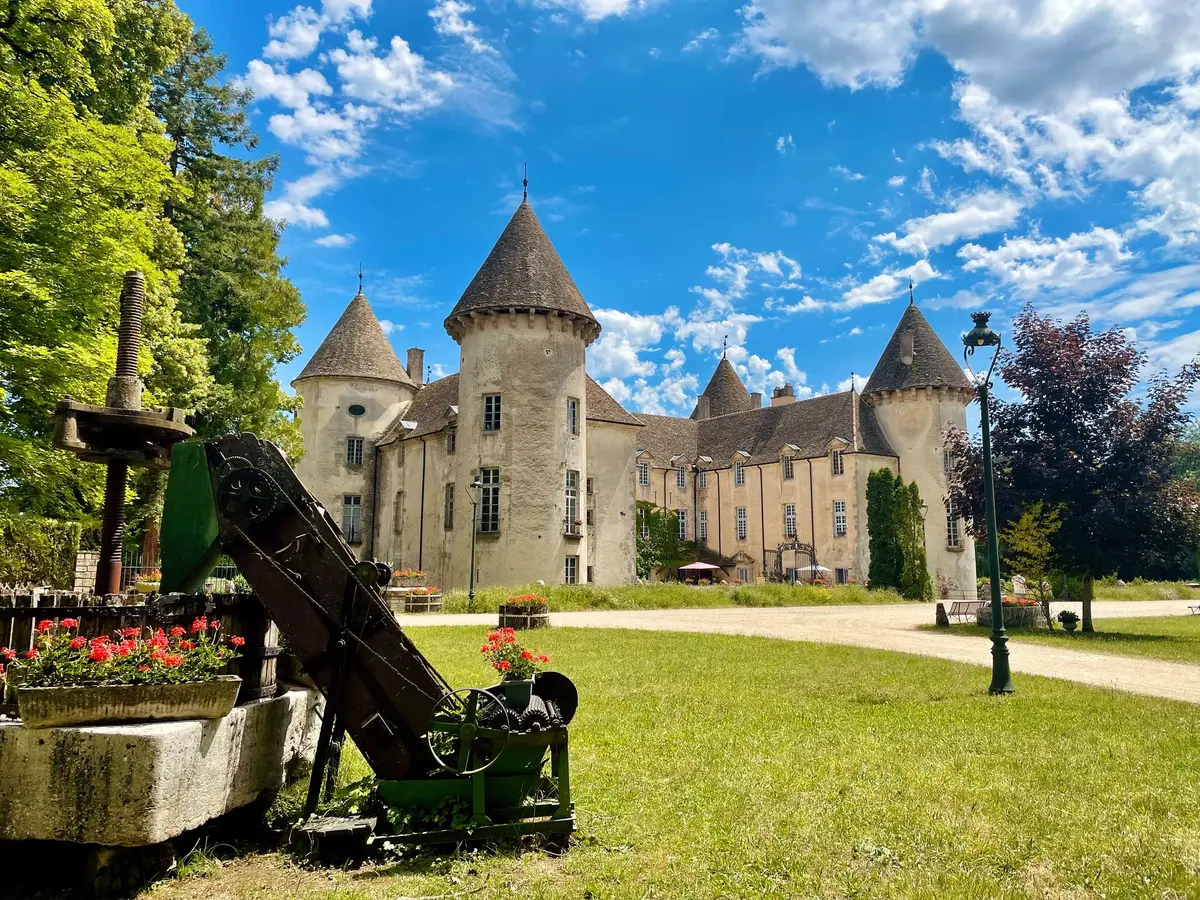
703, 410
416, 365
783, 395
756, 400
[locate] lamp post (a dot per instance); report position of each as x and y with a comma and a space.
983, 336
473, 493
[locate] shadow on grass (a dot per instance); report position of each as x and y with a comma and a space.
1083, 637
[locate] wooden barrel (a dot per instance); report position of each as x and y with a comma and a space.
522, 616
422, 603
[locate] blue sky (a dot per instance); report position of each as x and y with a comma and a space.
775, 171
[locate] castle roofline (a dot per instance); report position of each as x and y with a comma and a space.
356, 348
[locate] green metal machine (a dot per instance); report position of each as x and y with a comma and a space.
499, 754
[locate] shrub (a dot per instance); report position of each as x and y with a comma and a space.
38, 551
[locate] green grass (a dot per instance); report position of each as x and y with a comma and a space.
1174, 638
720, 766
672, 595
1145, 590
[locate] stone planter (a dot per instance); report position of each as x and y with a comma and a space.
408, 580
52, 707
1014, 616
523, 615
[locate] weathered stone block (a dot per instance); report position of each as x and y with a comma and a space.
131, 785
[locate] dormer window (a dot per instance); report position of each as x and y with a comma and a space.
789, 468
906, 348
451, 439
644, 474
680, 477
837, 464
357, 410
739, 474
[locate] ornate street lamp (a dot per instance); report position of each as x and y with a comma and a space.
982, 336
473, 493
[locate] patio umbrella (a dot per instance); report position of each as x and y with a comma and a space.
700, 566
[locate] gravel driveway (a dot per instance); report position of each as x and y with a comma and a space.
894, 627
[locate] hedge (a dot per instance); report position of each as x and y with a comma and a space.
37, 551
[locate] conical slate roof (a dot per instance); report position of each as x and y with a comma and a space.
725, 391
523, 271
356, 347
931, 365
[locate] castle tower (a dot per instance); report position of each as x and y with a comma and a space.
523, 328
917, 390
352, 388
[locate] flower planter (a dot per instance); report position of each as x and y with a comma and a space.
1014, 616
423, 603
52, 707
408, 580
517, 692
521, 616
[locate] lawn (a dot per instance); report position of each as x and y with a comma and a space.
1174, 638
672, 595
1145, 590
720, 766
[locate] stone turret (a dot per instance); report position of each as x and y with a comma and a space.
918, 390
523, 328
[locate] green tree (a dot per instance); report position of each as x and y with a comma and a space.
661, 547
232, 284
915, 583
1029, 550
83, 179
883, 534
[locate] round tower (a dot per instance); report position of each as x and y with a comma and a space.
352, 389
523, 330
917, 391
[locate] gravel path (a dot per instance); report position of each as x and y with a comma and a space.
894, 627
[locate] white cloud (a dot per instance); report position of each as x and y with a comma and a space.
293, 206
737, 266
860, 382
1078, 262
325, 134
848, 174
291, 90
973, 215
401, 80
654, 52
1177, 352
297, 34
449, 20
594, 10
887, 285
700, 40
623, 340
787, 218
784, 143
335, 240
896, 181
390, 327
675, 359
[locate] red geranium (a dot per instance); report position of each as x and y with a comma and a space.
177, 631
509, 658
131, 632
199, 624
237, 640
78, 642
69, 623
45, 625
7, 653
99, 654
31, 654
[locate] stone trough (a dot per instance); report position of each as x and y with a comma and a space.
137, 785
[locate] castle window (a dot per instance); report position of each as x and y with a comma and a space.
947, 461
572, 501
739, 474
352, 518
357, 410
841, 576
839, 518
489, 501
789, 470
681, 518
448, 507
704, 524
739, 515
743, 574
644, 474
591, 486
643, 525
953, 527
789, 520
680, 477
837, 463
701, 480
591, 574
354, 451
572, 416
571, 572
451, 439
491, 412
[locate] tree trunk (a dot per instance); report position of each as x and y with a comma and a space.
1087, 603
150, 542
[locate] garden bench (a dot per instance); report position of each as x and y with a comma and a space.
964, 609
1195, 609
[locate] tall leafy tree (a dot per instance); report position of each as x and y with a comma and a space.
915, 583
1029, 551
83, 178
232, 284
883, 538
1079, 439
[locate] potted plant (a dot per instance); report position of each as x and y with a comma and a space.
423, 599
68, 679
516, 664
408, 577
1068, 620
525, 611
148, 582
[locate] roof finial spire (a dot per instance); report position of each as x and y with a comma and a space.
525, 184
724, 346
360, 279
911, 301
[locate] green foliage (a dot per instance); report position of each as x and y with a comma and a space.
37, 551
662, 548
1028, 545
232, 285
887, 564
83, 178
896, 536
